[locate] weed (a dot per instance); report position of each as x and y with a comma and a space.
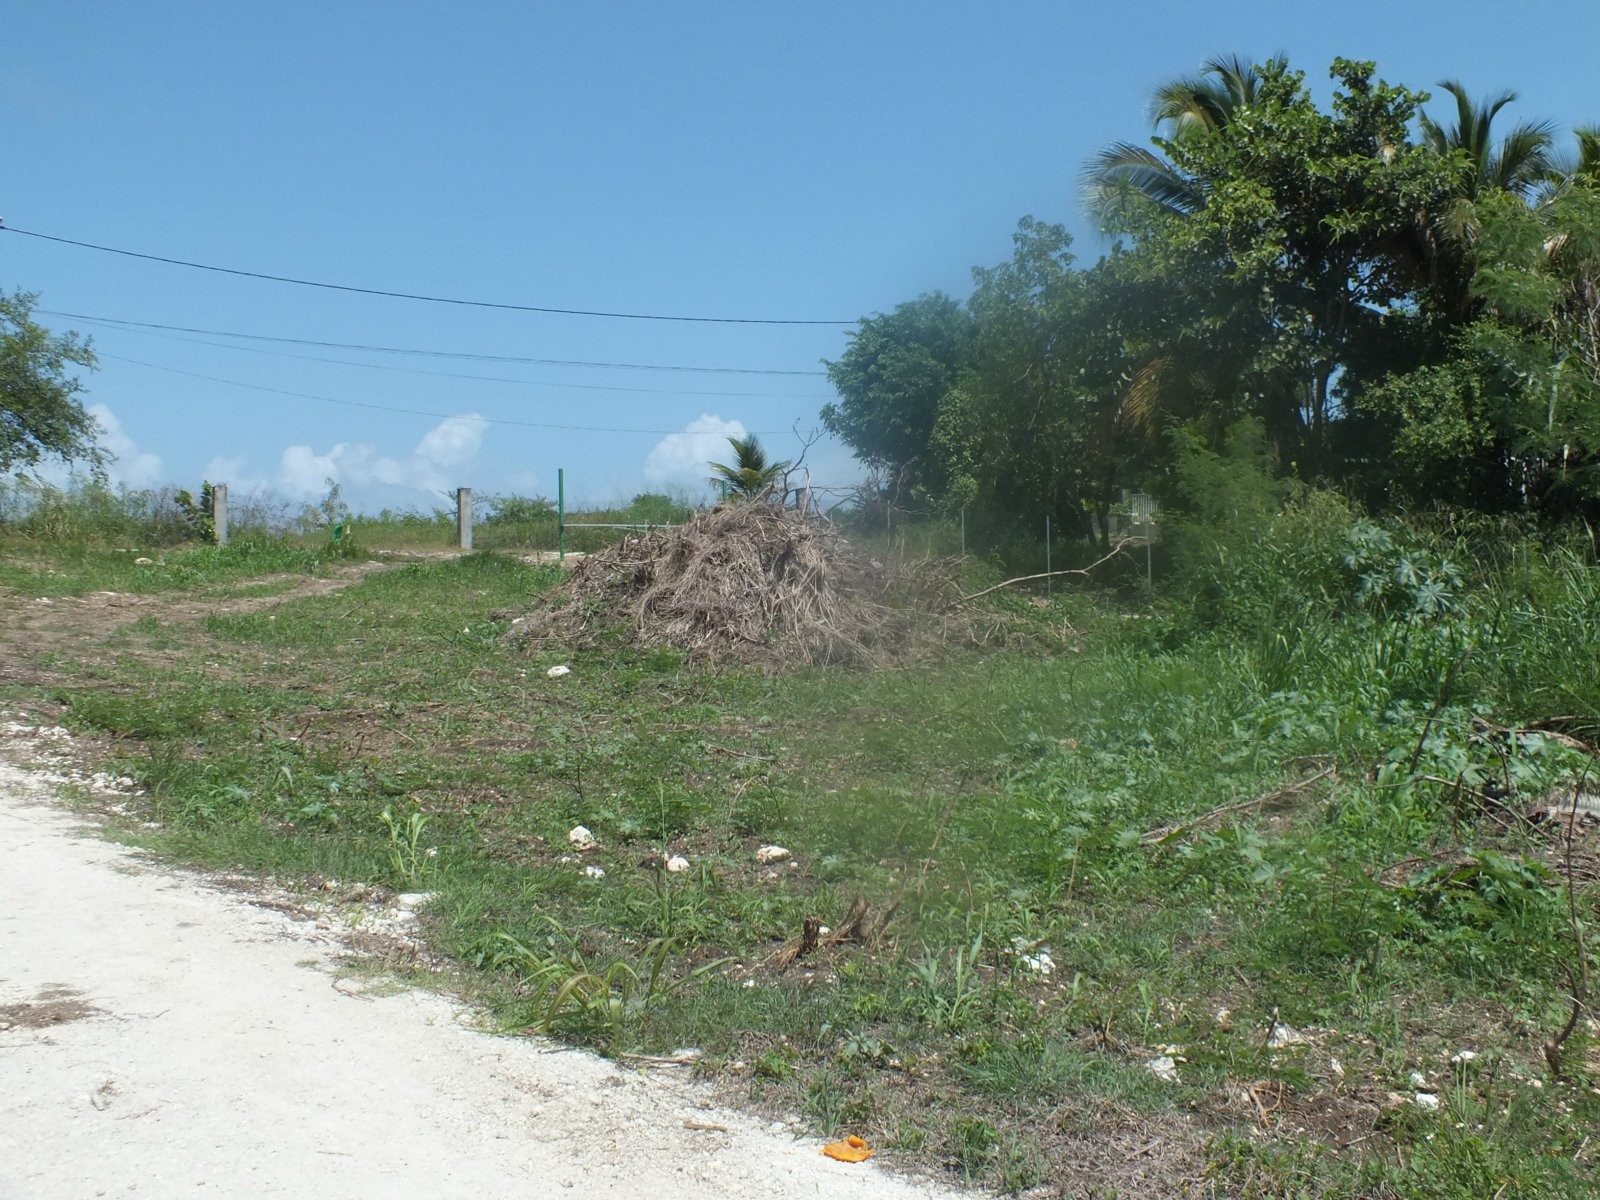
406, 855
595, 1004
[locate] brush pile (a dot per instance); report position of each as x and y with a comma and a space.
747, 582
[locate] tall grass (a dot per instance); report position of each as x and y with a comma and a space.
87, 513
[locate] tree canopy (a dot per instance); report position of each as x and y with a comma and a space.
40, 415
1405, 309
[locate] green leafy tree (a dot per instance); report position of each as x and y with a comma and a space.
1032, 426
751, 474
1293, 261
891, 380
1509, 420
40, 415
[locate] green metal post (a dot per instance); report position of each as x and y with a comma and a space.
561, 515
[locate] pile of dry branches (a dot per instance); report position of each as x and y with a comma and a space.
748, 582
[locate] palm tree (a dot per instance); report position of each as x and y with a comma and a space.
751, 475
1587, 165
1581, 166
1204, 102
1519, 163
1516, 163
1208, 100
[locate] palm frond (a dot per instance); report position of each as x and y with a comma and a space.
1123, 169
1586, 165
1142, 403
1522, 157
1189, 104
1517, 163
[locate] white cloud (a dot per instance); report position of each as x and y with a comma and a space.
226, 469
453, 441
683, 457
133, 466
303, 474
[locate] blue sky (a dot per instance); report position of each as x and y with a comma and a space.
814, 162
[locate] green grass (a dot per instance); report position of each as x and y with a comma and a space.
202, 570
999, 805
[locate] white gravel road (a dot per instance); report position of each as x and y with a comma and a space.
163, 1038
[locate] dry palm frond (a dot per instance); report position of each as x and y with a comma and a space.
748, 582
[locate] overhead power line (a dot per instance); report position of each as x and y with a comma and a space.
346, 362
394, 295
420, 353
413, 412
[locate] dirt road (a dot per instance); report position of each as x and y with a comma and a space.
160, 1037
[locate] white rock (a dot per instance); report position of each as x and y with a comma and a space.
594, 872
1039, 962
1285, 1035
1418, 1080
1427, 1100
143, 562
581, 838
772, 854
410, 900
1463, 1056
1164, 1068
558, 672
677, 864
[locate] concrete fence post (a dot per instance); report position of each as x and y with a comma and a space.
464, 518
219, 512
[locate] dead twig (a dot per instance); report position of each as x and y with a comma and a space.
1481, 725
1167, 832
1083, 571
792, 951
1485, 801
860, 926
1578, 982
659, 1060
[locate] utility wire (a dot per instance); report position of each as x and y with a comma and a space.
413, 412
456, 354
365, 291
345, 362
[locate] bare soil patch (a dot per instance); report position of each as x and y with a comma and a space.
34, 630
53, 1005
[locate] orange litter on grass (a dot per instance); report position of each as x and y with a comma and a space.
852, 1149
